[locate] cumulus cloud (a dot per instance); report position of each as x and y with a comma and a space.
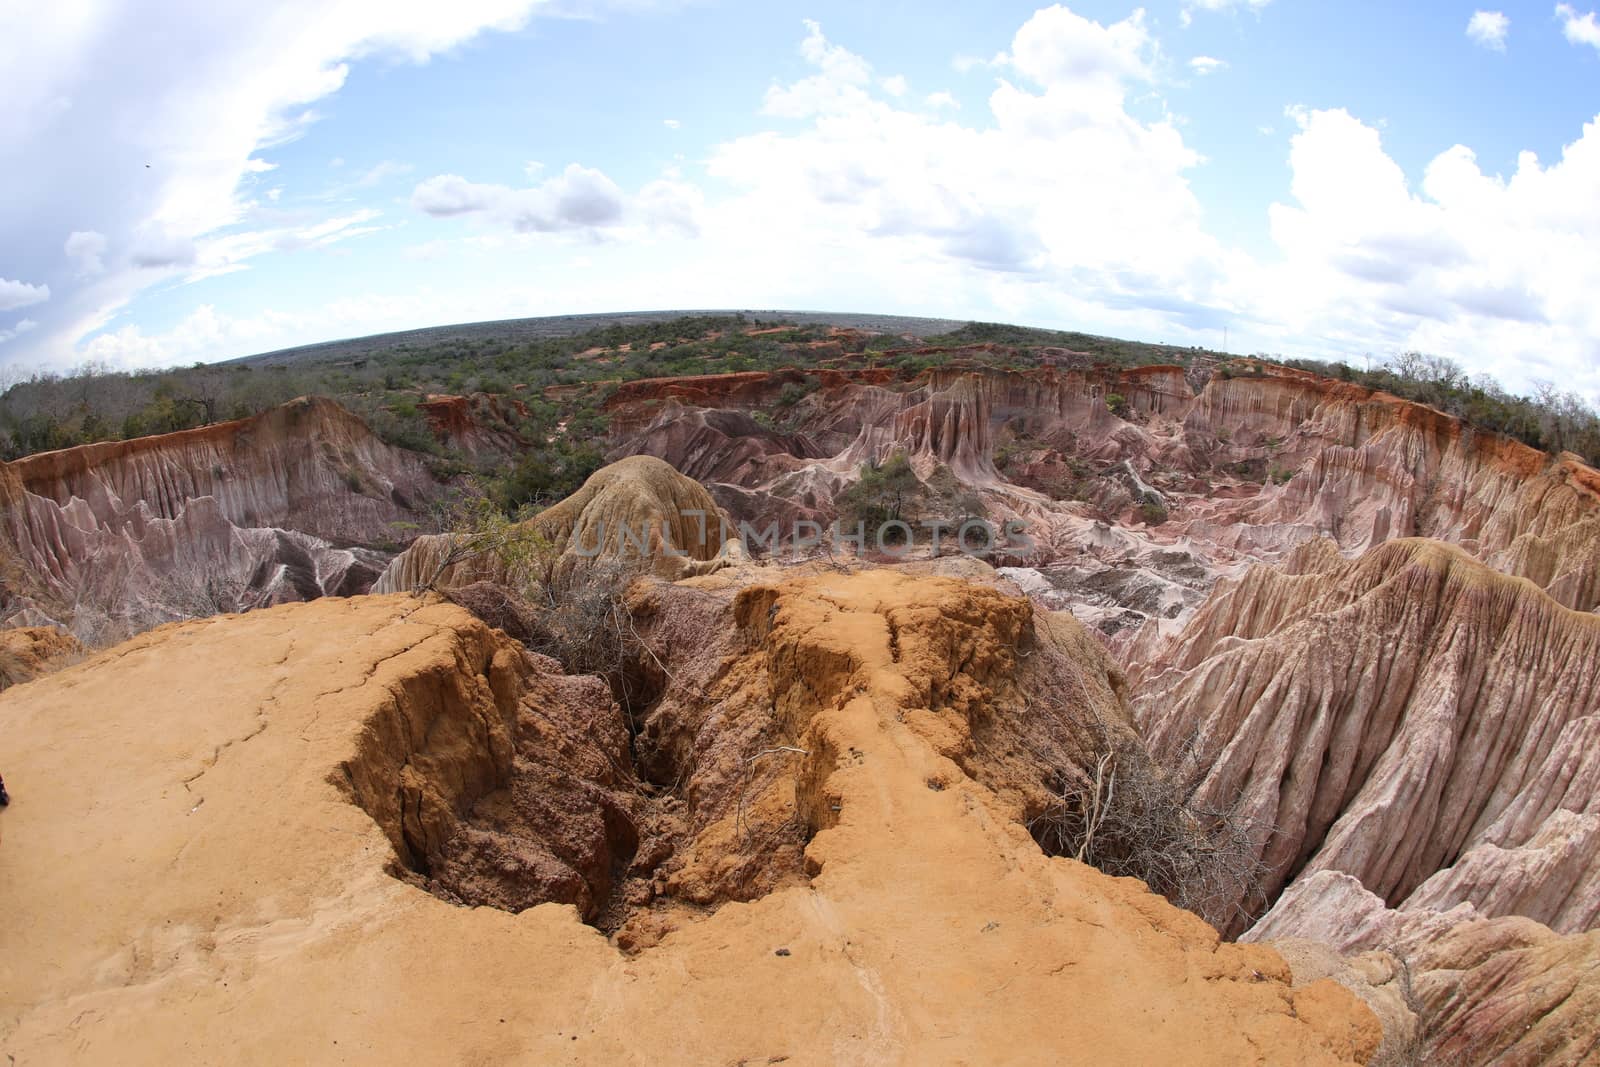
579, 198
1204, 65
150, 121
85, 249
1579, 29
444, 195
15, 294
1489, 29
1062, 186
1493, 270
1058, 46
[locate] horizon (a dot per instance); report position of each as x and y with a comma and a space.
201, 185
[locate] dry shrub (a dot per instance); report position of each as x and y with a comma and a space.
578, 617
581, 619
13, 670
1131, 817
498, 607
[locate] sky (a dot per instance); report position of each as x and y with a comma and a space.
186, 181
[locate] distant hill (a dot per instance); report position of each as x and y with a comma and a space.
517, 331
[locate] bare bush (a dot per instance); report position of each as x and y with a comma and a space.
576, 615
1131, 817
186, 595
580, 618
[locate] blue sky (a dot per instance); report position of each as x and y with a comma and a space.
192, 182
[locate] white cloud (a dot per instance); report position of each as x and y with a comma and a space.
1062, 187
444, 195
673, 205
1578, 29
1204, 65
671, 124
578, 199
1489, 29
169, 106
15, 294
1495, 271
85, 248
1059, 46
1186, 15
942, 99
895, 85
839, 73
158, 246
18, 330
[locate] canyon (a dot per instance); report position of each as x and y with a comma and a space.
290, 505
1357, 637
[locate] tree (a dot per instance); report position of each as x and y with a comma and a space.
882, 494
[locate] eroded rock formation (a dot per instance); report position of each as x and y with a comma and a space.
254, 780
1452, 987
637, 510
285, 506
1243, 469
1411, 718
479, 424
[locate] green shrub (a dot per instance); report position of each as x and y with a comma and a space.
882, 494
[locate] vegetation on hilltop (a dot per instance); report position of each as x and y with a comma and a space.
1553, 419
388, 385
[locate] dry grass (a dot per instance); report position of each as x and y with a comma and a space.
1133, 817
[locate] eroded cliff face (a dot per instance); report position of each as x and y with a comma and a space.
1243, 470
257, 782
1410, 718
1365, 467
1452, 987
284, 506
1415, 738
479, 424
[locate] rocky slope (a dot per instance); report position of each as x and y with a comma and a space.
257, 781
1411, 718
1221, 469
285, 506
1452, 987
1413, 737
477, 425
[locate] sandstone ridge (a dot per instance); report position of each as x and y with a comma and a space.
255, 781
